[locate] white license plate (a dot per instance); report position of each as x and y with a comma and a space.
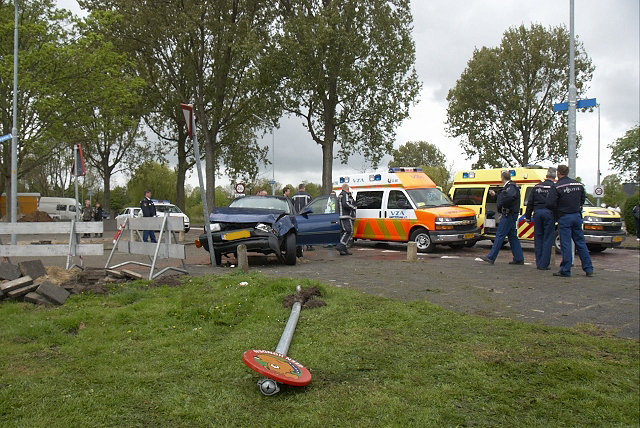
490, 222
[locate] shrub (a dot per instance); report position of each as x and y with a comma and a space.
627, 215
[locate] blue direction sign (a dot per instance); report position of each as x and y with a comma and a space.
5, 138
586, 103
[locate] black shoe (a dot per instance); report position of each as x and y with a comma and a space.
487, 259
516, 262
560, 274
348, 253
547, 268
344, 253
589, 273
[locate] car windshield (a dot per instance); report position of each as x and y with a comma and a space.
429, 197
171, 209
264, 202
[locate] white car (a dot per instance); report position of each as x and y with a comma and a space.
165, 207
129, 212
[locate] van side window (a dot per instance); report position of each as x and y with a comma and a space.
468, 196
397, 200
61, 207
71, 208
369, 200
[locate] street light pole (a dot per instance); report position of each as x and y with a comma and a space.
14, 130
572, 98
598, 178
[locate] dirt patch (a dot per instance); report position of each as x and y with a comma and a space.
306, 297
36, 217
169, 281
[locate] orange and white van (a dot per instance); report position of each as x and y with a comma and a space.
602, 227
405, 205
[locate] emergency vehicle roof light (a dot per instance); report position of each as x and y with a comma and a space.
344, 179
405, 169
375, 177
512, 172
469, 174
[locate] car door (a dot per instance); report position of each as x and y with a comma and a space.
318, 222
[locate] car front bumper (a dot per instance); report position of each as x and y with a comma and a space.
605, 239
228, 241
453, 236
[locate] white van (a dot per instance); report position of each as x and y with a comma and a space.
59, 208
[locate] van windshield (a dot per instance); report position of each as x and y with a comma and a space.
429, 197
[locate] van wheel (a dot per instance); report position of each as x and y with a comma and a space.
422, 238
556, 243
595, 248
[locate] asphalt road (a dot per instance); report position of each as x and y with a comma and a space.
453, 279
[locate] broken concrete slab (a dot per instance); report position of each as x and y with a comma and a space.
22, 291
114, 273
9, 271
34, 297
33, 268
53, 292
15, 284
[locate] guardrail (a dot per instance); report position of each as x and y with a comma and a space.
167, 227
73, 249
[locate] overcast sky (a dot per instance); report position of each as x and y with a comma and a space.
445, 33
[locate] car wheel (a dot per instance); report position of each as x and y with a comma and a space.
556, 243
423, 240
595, 248
299, 251
470, 244
218, 256
290, 250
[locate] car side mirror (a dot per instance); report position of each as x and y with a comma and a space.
306, 211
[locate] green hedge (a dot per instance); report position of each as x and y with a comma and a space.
627, 215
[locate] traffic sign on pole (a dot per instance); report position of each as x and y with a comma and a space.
187, 110
5, 138
598, 191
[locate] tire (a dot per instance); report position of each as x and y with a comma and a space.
299, 251
421, 237
556, 243
595, 248
470, 244
218, 256
290, 250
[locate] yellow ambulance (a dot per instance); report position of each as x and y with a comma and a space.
405, 205
602, 227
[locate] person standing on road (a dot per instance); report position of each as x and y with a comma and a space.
566, 198
286, 192
544, 222
98, 216
636, 219
148, 210
299, 200
88, 214
507, 203
346, 211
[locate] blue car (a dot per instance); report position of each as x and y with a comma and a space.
269, 225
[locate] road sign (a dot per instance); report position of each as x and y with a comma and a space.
598, 191
586, 103
272, 182
187, 110
5, 138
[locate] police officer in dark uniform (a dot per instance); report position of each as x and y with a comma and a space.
346, 212
566, 198
544, 221
507, 203
148, 210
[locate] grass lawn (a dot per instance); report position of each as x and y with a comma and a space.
146, 356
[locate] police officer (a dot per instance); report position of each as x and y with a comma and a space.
507, 203
346, 211
566, 198
544, 222
148, 210
301, 198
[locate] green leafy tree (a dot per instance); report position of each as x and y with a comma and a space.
157, 177
210, 53
613, 191
625, 154
500, 106
418, 153
348, 71
428, 157
627, 213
